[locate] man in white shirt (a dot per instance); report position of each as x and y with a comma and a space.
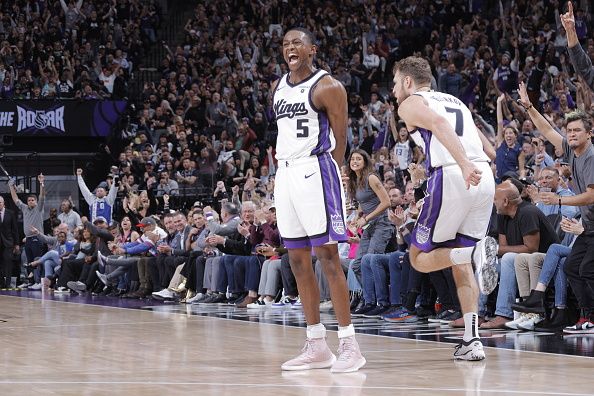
108, 76
69, 216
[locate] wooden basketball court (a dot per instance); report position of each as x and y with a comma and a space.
61, 345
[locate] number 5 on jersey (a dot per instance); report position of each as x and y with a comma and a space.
302, 126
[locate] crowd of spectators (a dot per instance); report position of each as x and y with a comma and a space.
193, 179
73, 49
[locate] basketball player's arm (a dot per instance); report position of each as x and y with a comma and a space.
487, 146
379, 190
330, 96
416, 114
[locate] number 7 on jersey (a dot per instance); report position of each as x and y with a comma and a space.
459, 128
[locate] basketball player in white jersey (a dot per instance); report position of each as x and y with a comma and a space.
311, 113
451, 227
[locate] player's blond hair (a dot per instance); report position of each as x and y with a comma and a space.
416, 68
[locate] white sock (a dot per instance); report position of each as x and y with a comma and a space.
470, 326
316, 331
461, 255
346, 331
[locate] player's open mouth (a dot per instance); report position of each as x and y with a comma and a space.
293, 59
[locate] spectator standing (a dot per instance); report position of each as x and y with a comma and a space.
32, 218
9, 243
100, 205
577, 146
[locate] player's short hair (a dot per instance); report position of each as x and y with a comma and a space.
416, 68
579, 115
310, 36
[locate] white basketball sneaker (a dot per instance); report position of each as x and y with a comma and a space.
470, 350
484, 259
314, 355
349, 356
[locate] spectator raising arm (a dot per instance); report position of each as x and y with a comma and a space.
111, 196
13, 192
579, 59
87, 195
538, 119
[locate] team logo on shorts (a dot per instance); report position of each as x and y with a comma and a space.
337, 223
422, 233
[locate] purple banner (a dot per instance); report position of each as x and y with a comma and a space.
60, 117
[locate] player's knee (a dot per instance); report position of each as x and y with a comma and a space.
420, 263
332, 269
417, 260
300, 267
419, 267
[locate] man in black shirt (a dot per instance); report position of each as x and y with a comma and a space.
522, 228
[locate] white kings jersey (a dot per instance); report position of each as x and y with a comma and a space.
461, 121
303, 130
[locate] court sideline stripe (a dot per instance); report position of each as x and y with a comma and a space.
501, 391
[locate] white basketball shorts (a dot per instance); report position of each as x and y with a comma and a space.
451, 215
310, 203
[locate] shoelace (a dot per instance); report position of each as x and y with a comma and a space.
308, 348
345, 349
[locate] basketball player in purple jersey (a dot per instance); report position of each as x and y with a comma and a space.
454, 218
311, 113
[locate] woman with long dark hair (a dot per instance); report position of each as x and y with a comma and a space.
367, 189
126, 232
